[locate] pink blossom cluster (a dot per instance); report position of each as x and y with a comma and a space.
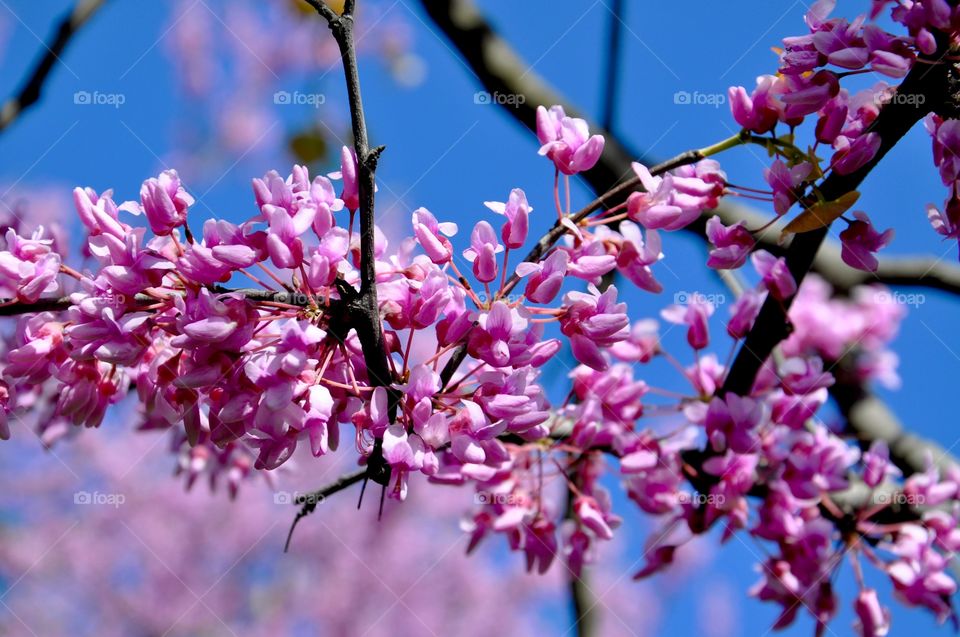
242, 377
808, 83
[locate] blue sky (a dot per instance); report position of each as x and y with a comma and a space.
450, 154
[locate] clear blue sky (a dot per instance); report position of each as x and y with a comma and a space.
449, 154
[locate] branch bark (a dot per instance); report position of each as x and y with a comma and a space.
30, 90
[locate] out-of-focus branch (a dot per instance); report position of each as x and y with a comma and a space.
611, 87
30, 90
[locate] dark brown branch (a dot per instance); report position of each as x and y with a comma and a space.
29, 92
309, 501
368, 325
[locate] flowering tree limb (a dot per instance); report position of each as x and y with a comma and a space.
501, 70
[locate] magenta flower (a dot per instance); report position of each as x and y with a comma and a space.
775, 274
636, 256
732, 423
849, 156
567, 141
732, 244
517, 212
348, 172
165, 202
833, 117
744, 312
28, 267
873, 620
483, 251
432, 235
876, 464
860, 241
676, 200
919, 575
785, 182
546, 277
591, 321
759, 111
695, 315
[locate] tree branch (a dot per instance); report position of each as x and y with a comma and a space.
31, 88
369, 328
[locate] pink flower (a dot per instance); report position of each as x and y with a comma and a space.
785, 181
744, 312
775, 274
876, 464
165, 202
546, 277
946, 147
849, 156
591, 321
919, 577
567, 141
860, 240
732, 244
759, 111
636, 256
348, 172
695, 315
28, 267
732, 423
432, 235
517, 212
483, 251
873, 620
